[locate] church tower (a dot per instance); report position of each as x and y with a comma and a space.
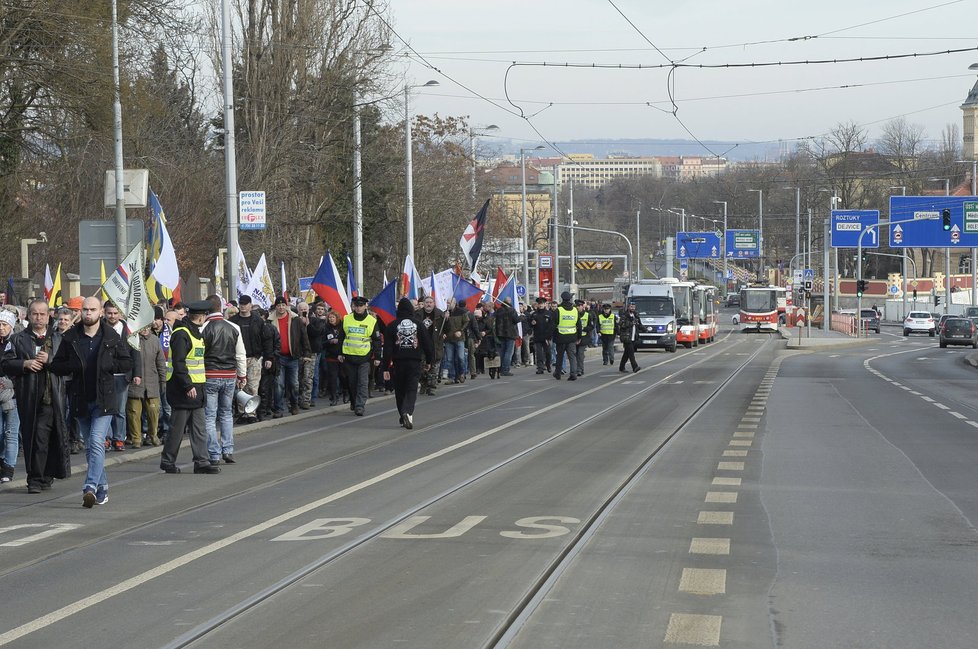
970, 109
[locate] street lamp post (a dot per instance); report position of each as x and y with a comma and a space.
408, 181
947, 251
724, 246
526, 252
974, 251
903, 267
638, 243
760, 230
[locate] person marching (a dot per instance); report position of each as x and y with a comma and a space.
566, 335
628, 332
587, 328
185, 390
607, 328
405, 342
433, 319
360, 341
541, 322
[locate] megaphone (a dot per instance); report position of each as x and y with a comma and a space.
247, 402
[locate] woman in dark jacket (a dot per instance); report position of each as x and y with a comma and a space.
331, 351
406, 345
488, 345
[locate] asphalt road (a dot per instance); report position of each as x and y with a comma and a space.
733, 495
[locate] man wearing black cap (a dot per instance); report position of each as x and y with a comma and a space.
406, 342
359, 342
258, 347
541, 322
185, 390
566, 334
587, 326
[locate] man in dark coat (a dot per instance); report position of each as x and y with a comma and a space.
94, 355
507, 331
628, 332
406, 342
433, 320
541, 322
40, 400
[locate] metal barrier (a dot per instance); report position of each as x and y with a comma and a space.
845, 323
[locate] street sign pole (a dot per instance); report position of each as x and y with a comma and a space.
826, 314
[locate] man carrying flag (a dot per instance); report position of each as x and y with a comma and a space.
472, 237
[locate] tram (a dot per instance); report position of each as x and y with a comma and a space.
762, 307
688, 309
707, 327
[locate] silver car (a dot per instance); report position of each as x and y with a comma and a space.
919, 322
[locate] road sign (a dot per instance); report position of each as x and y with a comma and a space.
697, 245
894, 290
797, 276
847, 225
923, 228
520, 290
546, 261
251, 210
742, 244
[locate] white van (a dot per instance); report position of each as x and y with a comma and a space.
656, 309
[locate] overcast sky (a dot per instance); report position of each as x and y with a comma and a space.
474, 43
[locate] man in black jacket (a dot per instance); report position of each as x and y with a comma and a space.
566, 334
507, 331
258, 347
541, 322
405, 342
40, 400
628, 332
93, 354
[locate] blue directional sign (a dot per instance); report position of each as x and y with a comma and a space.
698, 245
923, 227
848, 225
742, 244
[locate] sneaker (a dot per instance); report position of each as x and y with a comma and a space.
635, 369
169, 468
278, 414
401, 420
88, 498
101, 496
6, 472
294, 410
228, 458
33, 488
359, 412
409, 421
572, 377
118, 446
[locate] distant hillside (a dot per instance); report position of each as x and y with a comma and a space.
736, 151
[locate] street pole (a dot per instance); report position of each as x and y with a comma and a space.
797, 220
524, 241
570, 217
638, 244
121, 242
760, 232
826, 312
230, 169
556, 248
357, 195
408, 187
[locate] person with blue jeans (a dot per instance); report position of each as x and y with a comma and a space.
9, 420
456, 357
92, 354
293, 345
507, 322
226, 369
113, 317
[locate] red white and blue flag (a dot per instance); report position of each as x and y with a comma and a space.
472, 237
467, 294
384, 304
329, 286
411, 281
508, 291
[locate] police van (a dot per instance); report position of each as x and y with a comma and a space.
655, 305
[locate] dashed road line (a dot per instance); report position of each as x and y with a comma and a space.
703, 581
721, 497
735, 482
715, 518
718, 546
686, 628
730, 466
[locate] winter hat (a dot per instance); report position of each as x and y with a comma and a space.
405, 308
8, 317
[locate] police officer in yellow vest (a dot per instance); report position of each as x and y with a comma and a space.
185, 387
359, 351
607, 329
566, 335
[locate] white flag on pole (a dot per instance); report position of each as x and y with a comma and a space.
126, 287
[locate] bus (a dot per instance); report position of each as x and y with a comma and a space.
762, 307
707, 327
687, 313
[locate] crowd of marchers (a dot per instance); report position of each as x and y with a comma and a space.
75, 380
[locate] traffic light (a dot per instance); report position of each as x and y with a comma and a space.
937, 299
861, 286
946, 219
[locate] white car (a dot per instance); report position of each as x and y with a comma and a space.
919, 322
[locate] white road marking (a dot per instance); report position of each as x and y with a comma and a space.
941, 406
689, 629
703, 581
972, 423
957, 414
735, 454
740, 442
721, 497
715, 518
709, 546
927, 399
735, 482
53, 529
730, 466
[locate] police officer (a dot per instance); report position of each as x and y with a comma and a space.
607, 328
541, 322
359, 351
566, 335
185, 389
587, 329
628, 332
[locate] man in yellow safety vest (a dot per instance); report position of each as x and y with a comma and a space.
359, 351
566, 335
607, 329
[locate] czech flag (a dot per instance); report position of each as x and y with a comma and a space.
501, 280
410, 280
384, 303
329, 286
508, 291
467, 294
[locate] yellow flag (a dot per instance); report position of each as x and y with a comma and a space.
55, 299
102, 281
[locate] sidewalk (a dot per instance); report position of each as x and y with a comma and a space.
819, 339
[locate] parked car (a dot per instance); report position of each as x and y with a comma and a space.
733, 299
870, 320
959, 331
971, 312
919, 322
942, 319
